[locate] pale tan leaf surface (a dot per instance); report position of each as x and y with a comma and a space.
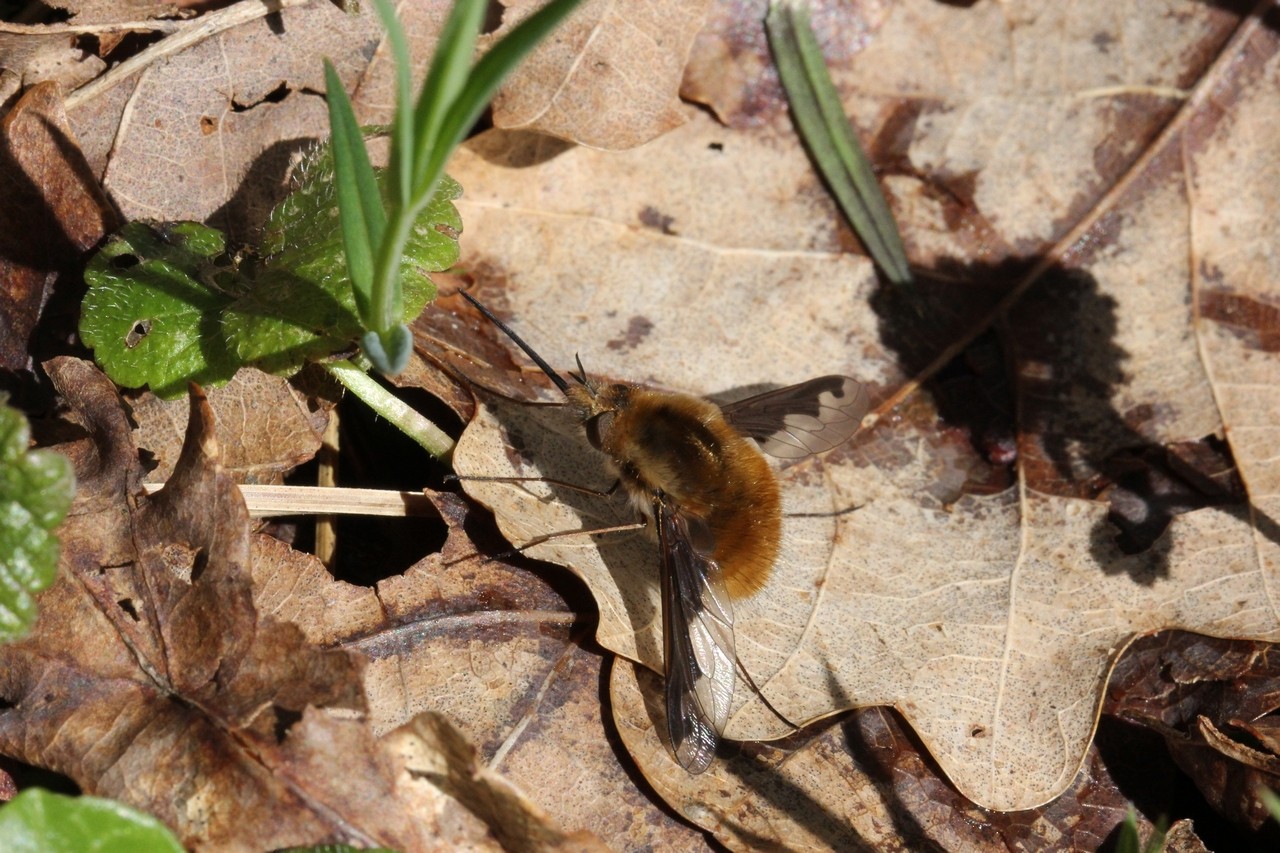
433, 748
608, 78
210, 130
1001, 123
862, 784
990, 619
265, 425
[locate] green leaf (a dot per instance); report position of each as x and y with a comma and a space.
826, 131
484, 80
39, 821
153, 311
360, 206
36, 488
301, 305
445, 79
1271, 801
402, 127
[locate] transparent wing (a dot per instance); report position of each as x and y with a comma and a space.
697, 633
793, 422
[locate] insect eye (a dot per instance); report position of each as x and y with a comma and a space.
598, 426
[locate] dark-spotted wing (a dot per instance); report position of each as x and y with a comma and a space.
798, 420
697, 642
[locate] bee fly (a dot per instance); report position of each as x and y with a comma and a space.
697, 471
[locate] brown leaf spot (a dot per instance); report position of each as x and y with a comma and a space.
1255, 322
638, 328
651, 217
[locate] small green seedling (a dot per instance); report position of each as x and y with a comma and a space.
346, 255
423, 135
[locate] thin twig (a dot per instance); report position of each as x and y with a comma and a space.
266, 501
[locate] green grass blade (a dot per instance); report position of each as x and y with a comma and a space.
487, 75
446, 78
360, 208
401, 162
831, 140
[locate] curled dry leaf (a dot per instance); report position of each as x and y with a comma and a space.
990, 619
1213, 702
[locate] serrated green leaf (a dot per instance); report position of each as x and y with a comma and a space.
302, 305
153, 311
36, 487
39, 821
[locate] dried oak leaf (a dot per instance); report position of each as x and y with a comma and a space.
866, 784
265, 425
224, 117
150, 677
496, 649
608, 78
989, 620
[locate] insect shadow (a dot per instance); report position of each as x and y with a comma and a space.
1037, 390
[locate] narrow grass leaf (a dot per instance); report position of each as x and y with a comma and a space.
360, 210
830, 137
402, 125
445, 80
487, 75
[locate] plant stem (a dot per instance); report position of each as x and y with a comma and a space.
382, 401
386, 271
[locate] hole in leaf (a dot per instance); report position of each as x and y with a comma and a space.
200, 563
208, 124
275, 96
126, 604
125, 261
285, 718
139, 330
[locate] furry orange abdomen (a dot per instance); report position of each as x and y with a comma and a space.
679, 448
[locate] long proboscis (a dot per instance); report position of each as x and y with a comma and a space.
528, 350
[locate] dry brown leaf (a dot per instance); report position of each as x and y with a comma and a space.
433, 749
1213, 701
990, 621
608, 78
151, 679
53, 211
498, 651
265, 426
865, 784
206, 134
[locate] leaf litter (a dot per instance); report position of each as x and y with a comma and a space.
1110, 203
